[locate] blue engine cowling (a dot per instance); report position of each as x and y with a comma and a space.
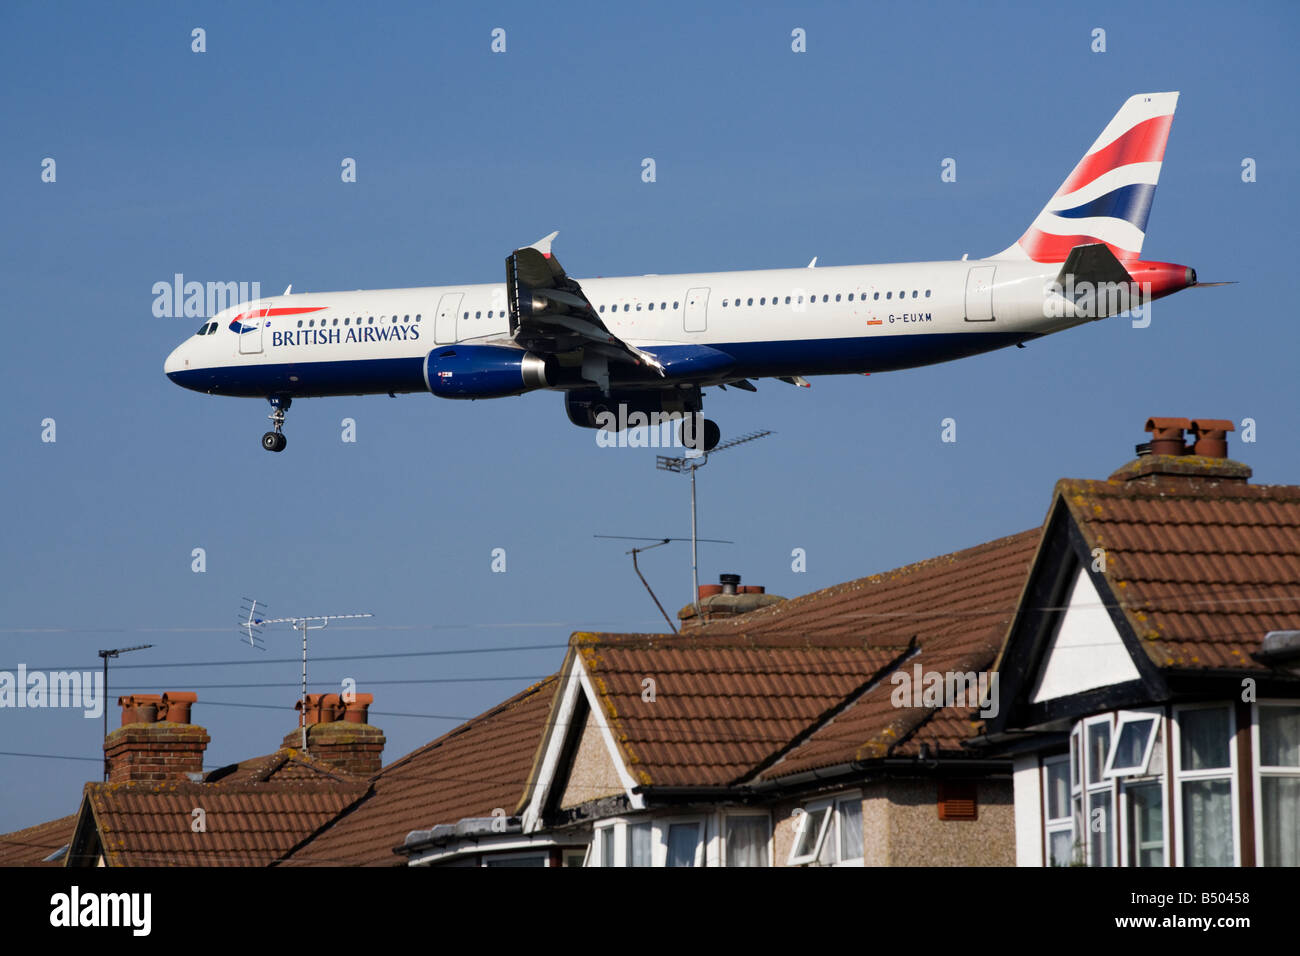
483, 371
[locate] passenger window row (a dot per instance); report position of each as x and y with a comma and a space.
311, 323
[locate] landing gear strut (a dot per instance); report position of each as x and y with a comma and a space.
275, 440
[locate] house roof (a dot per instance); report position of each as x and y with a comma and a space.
31, 846
285, 764
724, 705
482, 765
246, 824
1201, 569
780, 690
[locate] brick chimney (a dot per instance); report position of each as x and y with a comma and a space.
1185, 454
338, 732
727, 598
156, 741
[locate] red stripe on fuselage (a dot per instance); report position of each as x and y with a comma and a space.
271, 313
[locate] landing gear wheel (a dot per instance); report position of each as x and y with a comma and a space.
712, 434
275, 440
704, 433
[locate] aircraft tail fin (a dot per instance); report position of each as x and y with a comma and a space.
1107, 198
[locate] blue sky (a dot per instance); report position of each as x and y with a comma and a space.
224, 166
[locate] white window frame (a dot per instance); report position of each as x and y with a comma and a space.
1162, 784
1215, 773
734, 814
544, 854
807, 811
659, 844
1123, 718
625, 839
1104, 784
1052, 825
1261, 771
829, 831
612, 829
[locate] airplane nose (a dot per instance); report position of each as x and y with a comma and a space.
175, 362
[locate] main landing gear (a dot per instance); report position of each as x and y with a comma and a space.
701, 433
275, 440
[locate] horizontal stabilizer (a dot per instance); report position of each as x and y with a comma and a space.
1093, 263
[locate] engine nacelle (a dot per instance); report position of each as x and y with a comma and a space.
591, 408
483, 371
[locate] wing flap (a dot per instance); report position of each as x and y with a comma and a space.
550, 313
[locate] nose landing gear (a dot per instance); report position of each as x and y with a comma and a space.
275, 440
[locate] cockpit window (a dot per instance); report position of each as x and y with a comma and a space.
207, 328
212, 328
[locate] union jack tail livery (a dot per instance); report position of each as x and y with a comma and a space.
1107, 197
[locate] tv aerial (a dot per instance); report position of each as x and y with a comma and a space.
659, 542
253, 625
692, 464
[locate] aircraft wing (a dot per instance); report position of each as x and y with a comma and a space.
550, 314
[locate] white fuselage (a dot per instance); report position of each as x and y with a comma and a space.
788, 322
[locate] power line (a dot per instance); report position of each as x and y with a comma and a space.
259, 661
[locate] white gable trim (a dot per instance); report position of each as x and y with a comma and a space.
575, 682
1086, 651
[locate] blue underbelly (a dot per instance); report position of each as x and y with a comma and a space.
873, 353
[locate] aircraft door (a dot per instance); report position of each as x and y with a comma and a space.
979, 294
695, 318
444, 323
250, 328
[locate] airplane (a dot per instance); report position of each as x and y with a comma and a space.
653, 343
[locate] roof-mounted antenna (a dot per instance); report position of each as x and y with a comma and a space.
660, 542
693, 464
313, 622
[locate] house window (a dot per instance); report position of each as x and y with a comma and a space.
1056, 811
1278, 802
1135, 736
674, 842
517, 859
640, 844
829, 833
683, 844
1204, 786
1120, 812
747, 840
605, 838
812, 830
1099, 793
1144, 823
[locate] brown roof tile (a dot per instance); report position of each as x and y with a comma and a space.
733, 695
723, 703
482, 765
283, 765
1202, 570
250, 824
31, 846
